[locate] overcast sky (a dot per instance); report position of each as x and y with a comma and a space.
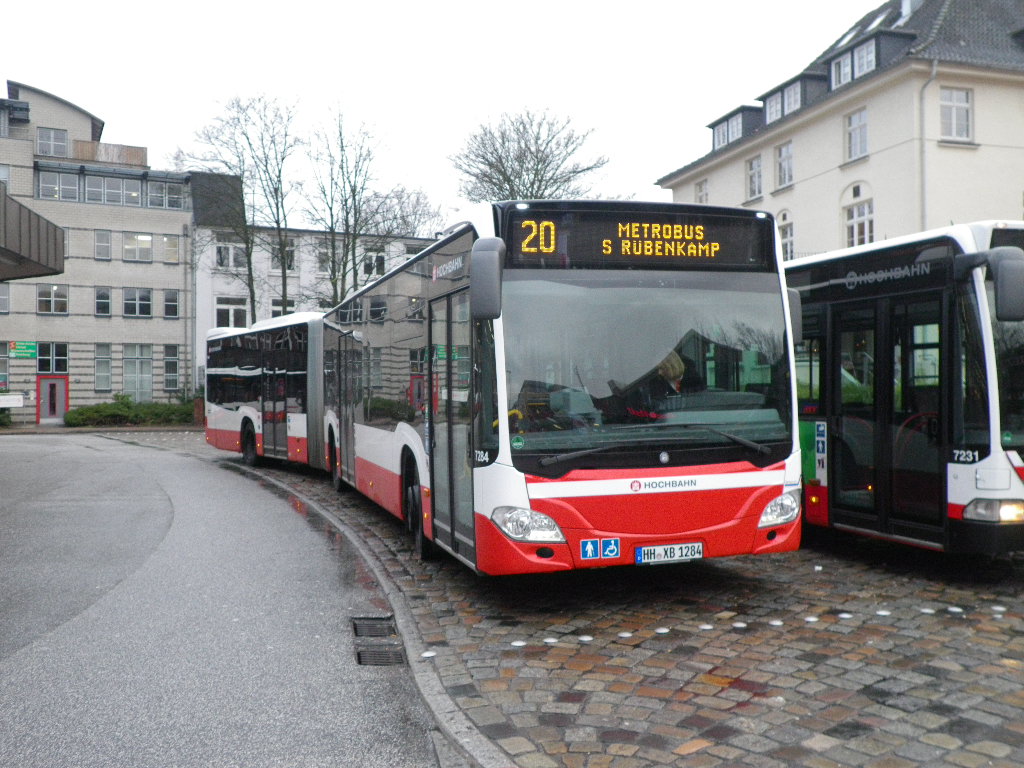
646, 76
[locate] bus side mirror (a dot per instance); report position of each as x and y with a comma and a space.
485, 265
1009, 278
796, 314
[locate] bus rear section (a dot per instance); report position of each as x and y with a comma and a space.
911, 412
261, 400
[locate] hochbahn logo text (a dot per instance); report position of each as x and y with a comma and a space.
662, 485
855, 279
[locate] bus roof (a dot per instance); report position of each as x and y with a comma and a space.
967, 234
282, 321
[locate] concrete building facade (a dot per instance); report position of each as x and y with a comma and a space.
911, 120
119, 318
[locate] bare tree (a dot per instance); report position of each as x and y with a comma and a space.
524, 157
342, 201
254, 140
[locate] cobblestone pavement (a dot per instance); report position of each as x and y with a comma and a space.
847, 653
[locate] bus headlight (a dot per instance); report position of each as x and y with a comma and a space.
995, 510
781, 510
526, 525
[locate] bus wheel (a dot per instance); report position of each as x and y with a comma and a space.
422, 546
336, 480
249, 445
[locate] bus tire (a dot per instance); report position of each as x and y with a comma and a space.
249, 455
336, 480
421, 545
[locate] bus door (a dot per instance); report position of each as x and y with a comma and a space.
886, 452
451, 417
350, 362
275, 416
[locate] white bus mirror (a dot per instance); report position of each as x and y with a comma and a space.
486, 263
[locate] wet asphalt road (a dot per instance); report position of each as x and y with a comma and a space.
157, 610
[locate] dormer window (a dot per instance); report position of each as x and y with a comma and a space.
791, 98
728, 131
773, 108
852, 65
864, 59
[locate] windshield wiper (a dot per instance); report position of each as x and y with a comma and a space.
558, 458
763, 449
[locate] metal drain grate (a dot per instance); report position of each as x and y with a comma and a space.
374, 626
380, 656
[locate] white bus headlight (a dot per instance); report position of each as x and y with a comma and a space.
781, 510
526, 525
995, 510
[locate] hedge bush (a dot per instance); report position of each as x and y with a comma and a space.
125, 412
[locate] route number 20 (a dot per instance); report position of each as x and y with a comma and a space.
540, 237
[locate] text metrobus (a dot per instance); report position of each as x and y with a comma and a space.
911, 388
556, 385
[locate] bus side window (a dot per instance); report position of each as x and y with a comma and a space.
808, 376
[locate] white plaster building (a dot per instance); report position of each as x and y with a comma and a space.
912, 119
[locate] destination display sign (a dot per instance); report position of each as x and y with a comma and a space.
579, 239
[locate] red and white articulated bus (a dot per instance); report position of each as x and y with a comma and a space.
911, 388
260, 398
554, 385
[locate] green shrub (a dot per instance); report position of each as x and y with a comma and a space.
124, 412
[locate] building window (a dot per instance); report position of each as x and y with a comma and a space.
378, 309
231, 312
5, 298
373, 263
165, 194
721, 135
171, 303
103, 368
864, 59
138, 372
138, 247
700, 192
58, 186
5, 169
860, 223
172, 381
754, 177
773, 108
51, 299
791, 98
172, 249
113, 191
138, 302
277, 308
101, 245
289, 254
955, 112
784, 164
93, 189
735, 127
52, 357
786, 235
841, 71
102, 301
52, 142
857, 134
132, 192
229, 253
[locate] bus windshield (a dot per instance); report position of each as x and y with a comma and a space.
607, 362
